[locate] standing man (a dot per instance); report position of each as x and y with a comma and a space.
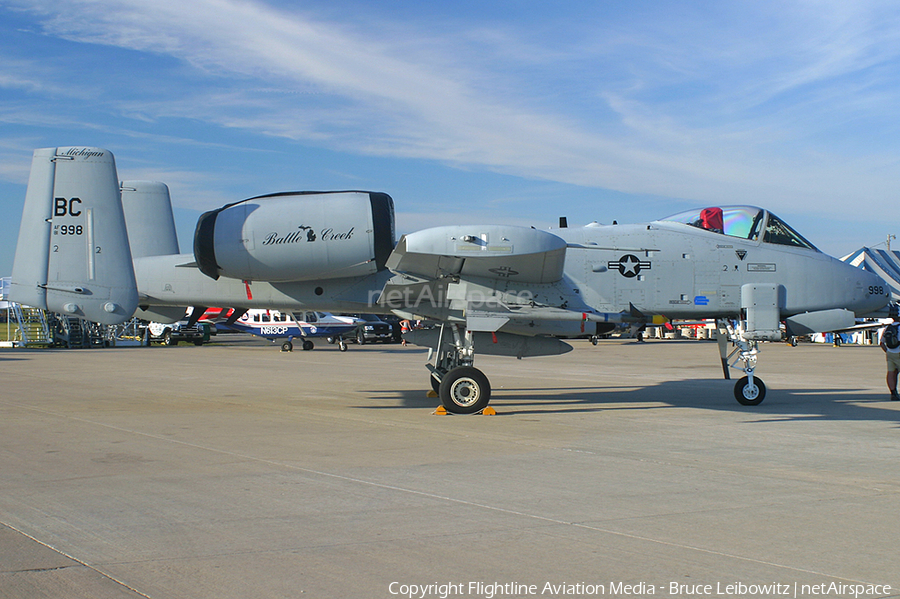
890, 343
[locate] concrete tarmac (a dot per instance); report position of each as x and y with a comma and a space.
234, 470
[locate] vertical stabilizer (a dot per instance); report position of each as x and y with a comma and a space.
29, 273
73, 255
149, 219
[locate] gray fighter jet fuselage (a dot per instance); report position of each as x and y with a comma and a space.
90, 249
678, 269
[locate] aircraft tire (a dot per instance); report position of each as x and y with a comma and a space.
360, 338
287, 346
749, 396
465, 390
342, 345
307, 345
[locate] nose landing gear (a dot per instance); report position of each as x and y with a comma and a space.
749, 390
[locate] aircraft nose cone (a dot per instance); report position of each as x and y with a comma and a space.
875, 292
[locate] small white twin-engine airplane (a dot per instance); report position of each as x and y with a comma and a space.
91, 248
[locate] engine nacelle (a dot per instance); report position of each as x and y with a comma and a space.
297, 236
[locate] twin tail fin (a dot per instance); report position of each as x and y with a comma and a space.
73, 255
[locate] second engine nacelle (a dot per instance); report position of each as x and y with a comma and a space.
297, 236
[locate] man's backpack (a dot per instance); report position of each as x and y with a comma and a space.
891, 336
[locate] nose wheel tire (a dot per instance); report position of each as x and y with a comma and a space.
465, 390
747, 394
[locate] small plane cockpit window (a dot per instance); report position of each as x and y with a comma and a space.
778, 232
735, 221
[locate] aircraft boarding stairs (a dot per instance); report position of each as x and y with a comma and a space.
32, 330
75, 333
37, 328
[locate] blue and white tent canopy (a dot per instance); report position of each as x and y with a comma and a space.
884, 263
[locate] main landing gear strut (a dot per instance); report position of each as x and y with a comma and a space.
463, 389
749, 390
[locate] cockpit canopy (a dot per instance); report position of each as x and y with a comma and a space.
745, 222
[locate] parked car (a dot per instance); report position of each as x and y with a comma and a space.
396, 327
172, 333
373, 329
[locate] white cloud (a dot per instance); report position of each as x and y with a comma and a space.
694, 105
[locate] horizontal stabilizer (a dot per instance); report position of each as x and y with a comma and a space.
163, 314
73, 255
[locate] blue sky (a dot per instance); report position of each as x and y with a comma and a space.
492, 112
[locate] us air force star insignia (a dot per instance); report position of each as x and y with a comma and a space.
504, 271
629, 265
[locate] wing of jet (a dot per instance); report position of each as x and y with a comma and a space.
91, 248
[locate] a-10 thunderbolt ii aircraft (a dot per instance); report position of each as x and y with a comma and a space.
91, 248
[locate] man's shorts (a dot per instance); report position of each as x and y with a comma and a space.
893, 361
